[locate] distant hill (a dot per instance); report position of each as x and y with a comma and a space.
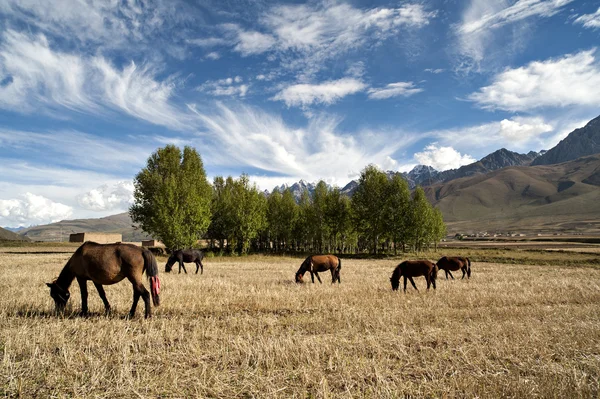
6, 235
120, 223
565, 195
580, 142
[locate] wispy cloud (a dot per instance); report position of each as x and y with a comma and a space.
306, 35
482, 17
77, 150
591, 21
39, 77
405, 89
567, 81
305, 94
252, 138
132, 25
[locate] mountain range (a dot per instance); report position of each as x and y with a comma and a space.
554, 190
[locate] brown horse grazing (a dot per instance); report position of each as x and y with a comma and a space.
455, 263
414, 268
107, 264
320, 263
186, 256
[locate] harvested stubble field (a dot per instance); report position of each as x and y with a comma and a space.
244, 329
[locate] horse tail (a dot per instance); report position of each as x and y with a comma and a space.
152, 272
468, 267
338, 269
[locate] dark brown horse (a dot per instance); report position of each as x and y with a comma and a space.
107, 264
186, 256
454, 263
414, 268
320, 263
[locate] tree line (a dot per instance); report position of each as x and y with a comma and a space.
174, 202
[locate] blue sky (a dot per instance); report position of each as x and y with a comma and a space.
281, 91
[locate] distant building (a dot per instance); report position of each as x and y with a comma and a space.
152, 243
100, 238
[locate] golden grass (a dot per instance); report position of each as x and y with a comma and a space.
244, 329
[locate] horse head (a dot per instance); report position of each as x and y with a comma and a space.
304, 267
395, 279
170, 264
60, 296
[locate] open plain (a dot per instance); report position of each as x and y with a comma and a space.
529, 327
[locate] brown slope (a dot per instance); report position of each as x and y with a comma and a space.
525, 197
120, 223
7, 235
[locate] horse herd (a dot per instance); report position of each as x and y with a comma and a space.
106, 264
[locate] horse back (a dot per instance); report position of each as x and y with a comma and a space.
451, 263
322, 263
106, 263
415, 268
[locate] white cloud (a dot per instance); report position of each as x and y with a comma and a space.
208, 42
32, 209
306, 35
230, 87
405, 89
442, 158
516, 134
213, 55
305, 94
482, 17
253, 43
118, 196
571, 80
591, 21
132, 25
434, 71
523, 130
40, 78
251, 138
77, 149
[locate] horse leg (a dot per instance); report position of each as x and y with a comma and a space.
428, 279
405, 283
333, 279
102, 294
136, 298
318, 278
181, 265
199, 266
464, 272
413, 282
84, 295
449, 273
312, 277
433, 282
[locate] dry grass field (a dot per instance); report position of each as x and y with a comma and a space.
244, 329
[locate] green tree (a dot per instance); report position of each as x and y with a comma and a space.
398, 211
302, 229
172, 197
249, 212
439, 230
420, 221
368, 204
317, 214
337, 219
